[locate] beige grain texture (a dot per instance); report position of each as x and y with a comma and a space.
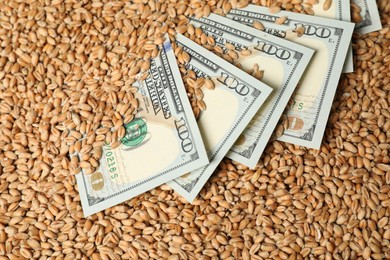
66, 75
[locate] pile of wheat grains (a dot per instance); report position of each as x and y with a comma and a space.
66, 74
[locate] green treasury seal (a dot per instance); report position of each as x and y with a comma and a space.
136, 132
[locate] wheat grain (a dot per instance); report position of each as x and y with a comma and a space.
66, 72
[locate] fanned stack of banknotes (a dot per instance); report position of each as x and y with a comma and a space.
302, 58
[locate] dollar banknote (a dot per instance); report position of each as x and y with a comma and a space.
369, 20
339, 10
161, 143
230, 105
312, 100
283, 64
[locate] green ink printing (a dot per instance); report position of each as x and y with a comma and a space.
136, 132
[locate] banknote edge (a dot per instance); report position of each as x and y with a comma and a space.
201, 160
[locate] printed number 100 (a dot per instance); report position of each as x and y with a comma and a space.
184, 135
233, 83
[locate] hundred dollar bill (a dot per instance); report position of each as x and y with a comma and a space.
283, 63
311, 102
230, 106
339, 10
370, 19
161, 143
